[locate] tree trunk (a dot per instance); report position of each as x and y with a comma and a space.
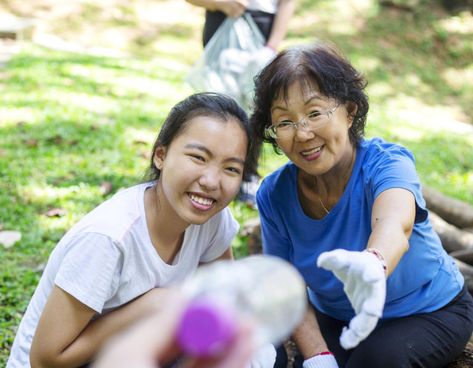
453, 239
452, 210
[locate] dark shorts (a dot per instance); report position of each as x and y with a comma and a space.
427, 340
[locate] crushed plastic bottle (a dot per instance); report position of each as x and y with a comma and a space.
266, 289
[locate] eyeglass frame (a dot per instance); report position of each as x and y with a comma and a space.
270, 131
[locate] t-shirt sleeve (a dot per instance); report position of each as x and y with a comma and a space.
395, 168
89, 269
223, 228
275, 242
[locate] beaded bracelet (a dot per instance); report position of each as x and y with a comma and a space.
380, 256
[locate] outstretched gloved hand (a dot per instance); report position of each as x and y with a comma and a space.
364, 282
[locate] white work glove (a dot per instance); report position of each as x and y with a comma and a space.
320, 361
264, 357
364, 282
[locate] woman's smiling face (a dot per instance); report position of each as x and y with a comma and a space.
315, 151
202, 168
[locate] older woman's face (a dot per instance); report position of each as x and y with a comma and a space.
319, 142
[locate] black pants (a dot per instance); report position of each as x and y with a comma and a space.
213, 20
428, 340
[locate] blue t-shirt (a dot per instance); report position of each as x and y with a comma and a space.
425, 279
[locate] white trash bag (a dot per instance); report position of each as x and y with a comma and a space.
231, 60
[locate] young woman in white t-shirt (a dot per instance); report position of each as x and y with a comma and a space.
116, 264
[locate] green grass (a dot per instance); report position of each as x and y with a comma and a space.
70, 122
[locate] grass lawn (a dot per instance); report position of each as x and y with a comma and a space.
72, 123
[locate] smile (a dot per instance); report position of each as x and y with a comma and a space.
201, 203
312, 151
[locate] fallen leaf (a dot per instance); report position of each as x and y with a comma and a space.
56, 139
106, 188
31, 142
55, 212
8, 238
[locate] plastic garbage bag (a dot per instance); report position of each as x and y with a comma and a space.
231, 60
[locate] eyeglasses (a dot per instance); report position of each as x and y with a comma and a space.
286, 128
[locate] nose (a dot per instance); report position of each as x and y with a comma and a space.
302, 124
210, 179
303, 132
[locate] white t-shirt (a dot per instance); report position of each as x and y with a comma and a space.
267, 6
107, 259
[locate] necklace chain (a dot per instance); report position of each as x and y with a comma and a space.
320, 199
323, 206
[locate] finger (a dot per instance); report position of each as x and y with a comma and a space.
243, 3
334, 259
241, 350
359, 329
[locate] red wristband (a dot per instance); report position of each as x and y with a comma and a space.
324, 353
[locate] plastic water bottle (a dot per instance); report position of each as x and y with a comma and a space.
266, 289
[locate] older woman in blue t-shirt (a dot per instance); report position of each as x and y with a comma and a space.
350, 215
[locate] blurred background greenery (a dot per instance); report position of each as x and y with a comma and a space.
81, 105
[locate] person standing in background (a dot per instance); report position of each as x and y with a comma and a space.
272, 18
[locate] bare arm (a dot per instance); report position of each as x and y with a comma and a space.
65, 337
281, 20
392, 220
231, 8
308, 337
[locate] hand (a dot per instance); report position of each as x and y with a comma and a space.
364, 283
231, 8
152, 340
320, 361
265, 357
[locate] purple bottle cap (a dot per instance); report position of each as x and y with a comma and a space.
206, 328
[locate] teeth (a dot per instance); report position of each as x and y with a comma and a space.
312, 151
201, 200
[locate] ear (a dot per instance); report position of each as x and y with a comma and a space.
352, 108
159, 156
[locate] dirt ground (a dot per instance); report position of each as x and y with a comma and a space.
119, 25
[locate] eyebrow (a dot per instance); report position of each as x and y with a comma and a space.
204, 149
314, 96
